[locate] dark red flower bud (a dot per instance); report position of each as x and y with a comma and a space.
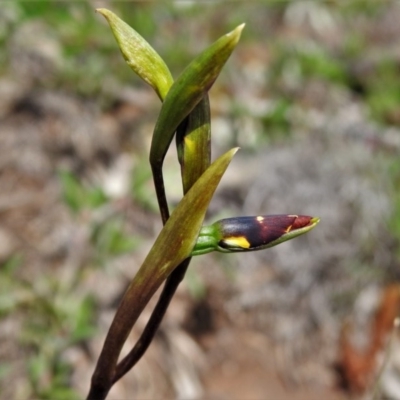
252, 233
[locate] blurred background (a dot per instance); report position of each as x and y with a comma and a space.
311, 95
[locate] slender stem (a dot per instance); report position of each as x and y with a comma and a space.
160, 191
98, 393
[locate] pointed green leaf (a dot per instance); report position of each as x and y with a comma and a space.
173, 245
188, 90
139, 55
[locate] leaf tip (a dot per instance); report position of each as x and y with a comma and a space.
102, 11
240, 27
107, 14
230, 153
237, 31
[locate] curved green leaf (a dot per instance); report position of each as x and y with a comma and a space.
186, 92
139, 55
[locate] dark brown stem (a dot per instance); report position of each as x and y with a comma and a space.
160, 191
98, 393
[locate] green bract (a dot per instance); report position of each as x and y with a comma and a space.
139, 55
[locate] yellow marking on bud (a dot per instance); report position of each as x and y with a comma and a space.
260, 219
237, 241
288, 229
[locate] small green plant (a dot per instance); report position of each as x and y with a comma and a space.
79, 197
185, 112
107, 235
56, 318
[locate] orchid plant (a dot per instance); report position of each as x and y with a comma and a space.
185, 113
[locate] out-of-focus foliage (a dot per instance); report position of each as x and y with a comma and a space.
55, 317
